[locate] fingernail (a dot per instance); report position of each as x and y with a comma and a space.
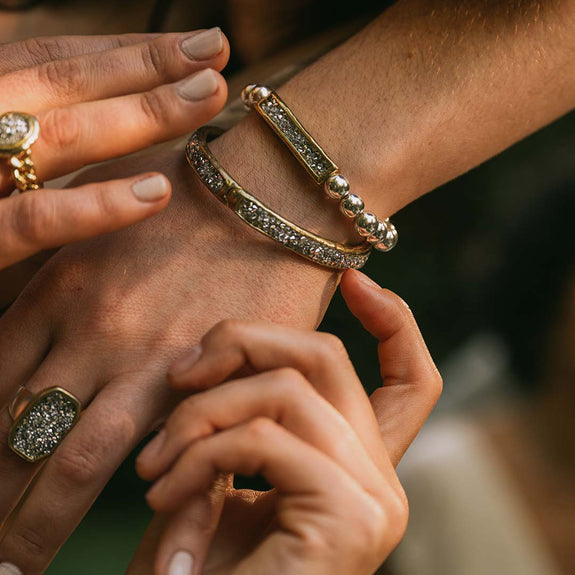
367, 281
9, 569
154, 447
187, 361
182, 563
150, 190
199, 86
203, 46
156, 488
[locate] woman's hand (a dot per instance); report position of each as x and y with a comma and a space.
97, 98
305, 423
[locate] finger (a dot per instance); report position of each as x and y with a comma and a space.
143, 561
16, 473
49, 218
298, 472
78, 470
411, 382
88, 133
283, 396
192, 527
35, 51
233, 345
129, 70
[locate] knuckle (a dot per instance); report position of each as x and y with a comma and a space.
330, 348
61, 128
33, 219
63, 77
230, 329
152, 58
77, 465
155, 107
46, 48
436, 386
291, 381
27, 541
260, 428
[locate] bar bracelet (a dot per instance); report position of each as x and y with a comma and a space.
277, 114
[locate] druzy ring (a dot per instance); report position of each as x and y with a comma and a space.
41, 421
18, 131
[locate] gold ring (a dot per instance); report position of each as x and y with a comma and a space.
41, 421
18, 131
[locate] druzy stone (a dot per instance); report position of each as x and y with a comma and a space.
41, 427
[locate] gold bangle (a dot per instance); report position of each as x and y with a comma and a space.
263, 219
277, 114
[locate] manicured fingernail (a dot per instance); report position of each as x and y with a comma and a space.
182, 563
150, 190
157, 487
154, 448
203, 46
367, 281
199, 86
9, 569
187, 361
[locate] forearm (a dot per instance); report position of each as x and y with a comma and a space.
427, 91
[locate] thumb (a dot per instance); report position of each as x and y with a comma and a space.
43, 219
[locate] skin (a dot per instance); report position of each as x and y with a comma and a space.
108, 317
303, 402
95, 87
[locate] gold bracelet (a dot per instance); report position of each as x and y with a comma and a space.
379, 233
263, 219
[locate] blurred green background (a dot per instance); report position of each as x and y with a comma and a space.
449, 242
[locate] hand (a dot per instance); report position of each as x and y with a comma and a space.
97, 98
106, 318
305, 423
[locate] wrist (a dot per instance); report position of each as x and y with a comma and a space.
289, 288
254, 156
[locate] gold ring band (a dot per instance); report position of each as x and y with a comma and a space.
41, 421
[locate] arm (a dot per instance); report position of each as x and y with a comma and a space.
108, 317
427, 91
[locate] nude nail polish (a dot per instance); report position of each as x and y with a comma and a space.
204, 45
199, 86
154, 447
9, 569
182, 563
149, 190
187, 361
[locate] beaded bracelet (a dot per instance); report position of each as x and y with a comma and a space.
263, 219
379, 233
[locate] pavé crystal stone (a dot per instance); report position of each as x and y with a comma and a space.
41, 427
13, 128
259, 217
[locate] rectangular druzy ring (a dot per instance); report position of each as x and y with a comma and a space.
44, 423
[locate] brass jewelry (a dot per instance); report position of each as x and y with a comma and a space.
18, 131
269, 106
263, 219
41, 421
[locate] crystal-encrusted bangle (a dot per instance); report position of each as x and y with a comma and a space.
379, 233
263, 219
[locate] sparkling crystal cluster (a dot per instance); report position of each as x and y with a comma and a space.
40, 431
13, 129
267, 223
207, 172
291, 238
310, 153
